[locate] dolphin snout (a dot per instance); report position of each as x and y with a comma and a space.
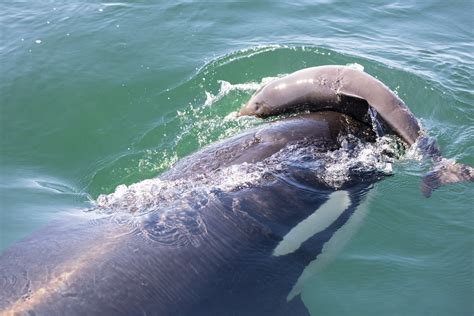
249, 108
253, 107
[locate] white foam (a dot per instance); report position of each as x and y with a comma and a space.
115, 4
352, 160
226, 87
414, 152
356, 66
152, 194
334, 168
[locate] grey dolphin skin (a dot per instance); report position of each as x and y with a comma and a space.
336, 88
358, 94
233, 252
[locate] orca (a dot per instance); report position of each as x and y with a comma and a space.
234, 250
235, 228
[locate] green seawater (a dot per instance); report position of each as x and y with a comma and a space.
98, 94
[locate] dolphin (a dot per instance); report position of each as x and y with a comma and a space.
354, 92
198, 249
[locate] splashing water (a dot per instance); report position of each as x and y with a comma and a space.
226, 87
332, 168
160, 208
169, 211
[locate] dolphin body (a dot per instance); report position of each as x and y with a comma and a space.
238, 251
351, 91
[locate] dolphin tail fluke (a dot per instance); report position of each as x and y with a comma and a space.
444, 172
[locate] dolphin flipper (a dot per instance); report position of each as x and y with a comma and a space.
445, 172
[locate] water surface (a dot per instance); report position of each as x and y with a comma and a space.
98, 94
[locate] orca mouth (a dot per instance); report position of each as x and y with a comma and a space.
357, 108
362, 113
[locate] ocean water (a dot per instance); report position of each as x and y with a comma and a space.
98, 94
